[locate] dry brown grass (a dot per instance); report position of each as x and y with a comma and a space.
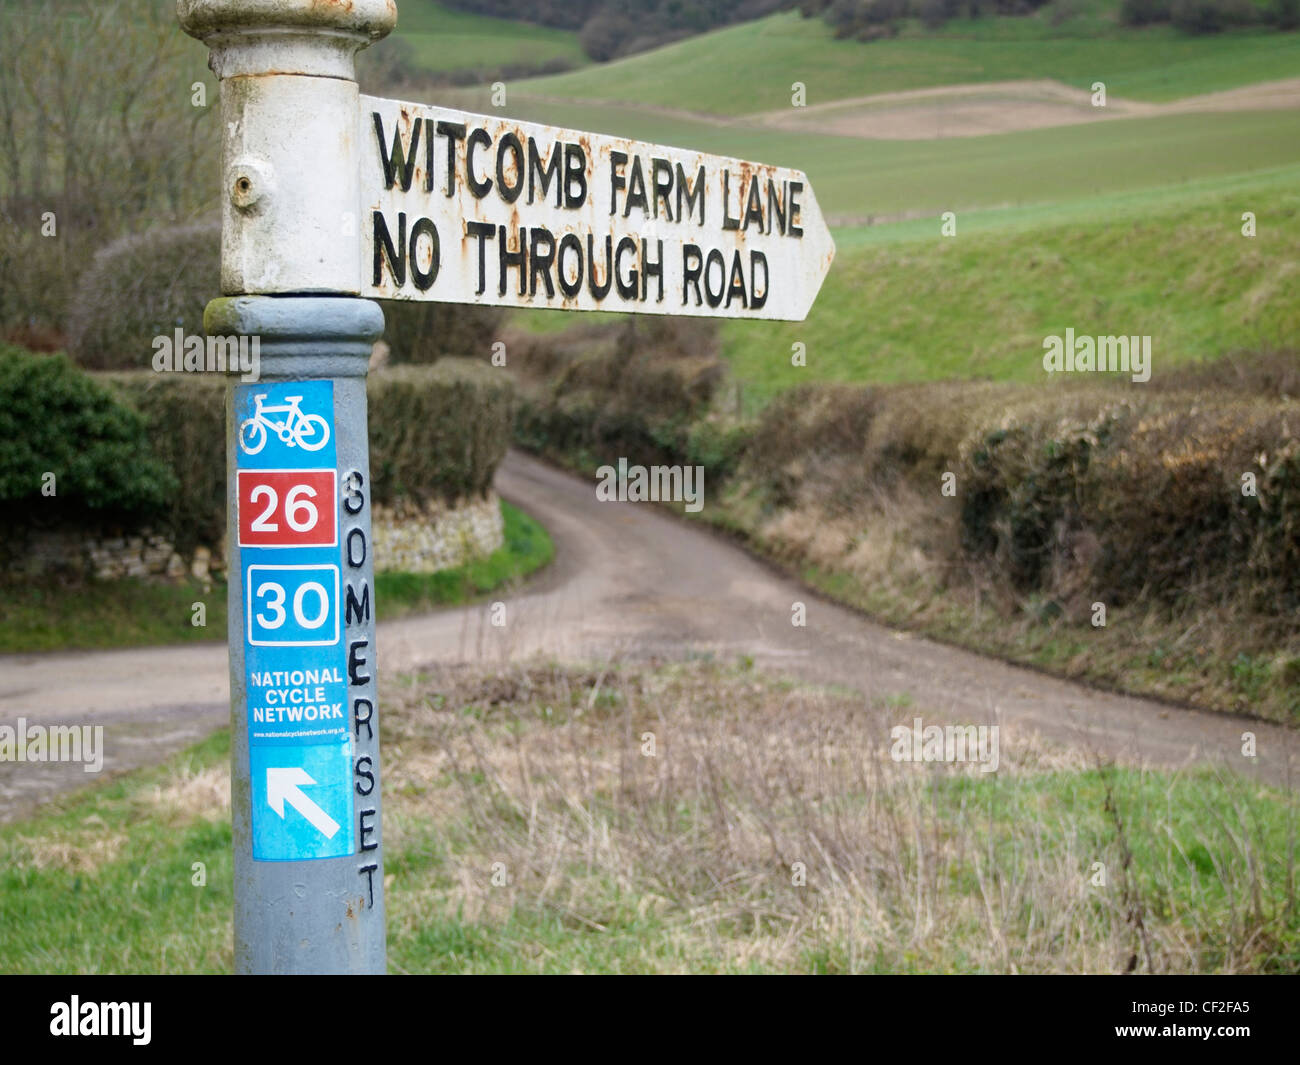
701, 847
80, 850
183, 796
191, 793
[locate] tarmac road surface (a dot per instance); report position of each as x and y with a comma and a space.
629, 581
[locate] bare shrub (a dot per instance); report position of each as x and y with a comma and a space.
426, 332
143, 286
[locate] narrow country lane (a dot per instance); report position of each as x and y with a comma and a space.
628, 581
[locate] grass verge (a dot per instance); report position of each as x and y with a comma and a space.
528, 547
139, 613
1214, 655
692, 817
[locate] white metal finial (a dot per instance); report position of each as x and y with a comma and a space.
316, 37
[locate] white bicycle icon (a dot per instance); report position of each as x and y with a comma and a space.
310, 432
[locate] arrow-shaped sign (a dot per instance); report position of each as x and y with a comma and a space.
285, 784
465, 208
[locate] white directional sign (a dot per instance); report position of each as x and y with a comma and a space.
465, 208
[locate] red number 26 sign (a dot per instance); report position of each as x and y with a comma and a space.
287, 508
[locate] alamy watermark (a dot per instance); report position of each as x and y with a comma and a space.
180, 353
79, 1018
1071, 354
53, 743
653, 484
946, 743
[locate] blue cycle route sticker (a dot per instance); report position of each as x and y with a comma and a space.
295, 669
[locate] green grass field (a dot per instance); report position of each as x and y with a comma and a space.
1144, 201
445, 39
859, 179
749, 67
136, 613
926, 307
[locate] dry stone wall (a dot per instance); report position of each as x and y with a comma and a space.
407, 539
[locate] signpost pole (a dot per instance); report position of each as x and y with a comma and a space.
305, 791
329, 197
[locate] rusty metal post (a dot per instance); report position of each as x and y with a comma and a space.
309, 893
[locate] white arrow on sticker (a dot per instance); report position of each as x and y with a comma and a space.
284, 784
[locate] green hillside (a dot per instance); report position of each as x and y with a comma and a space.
749, 68
922, 306
444, 39
857, 179
1128, 226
